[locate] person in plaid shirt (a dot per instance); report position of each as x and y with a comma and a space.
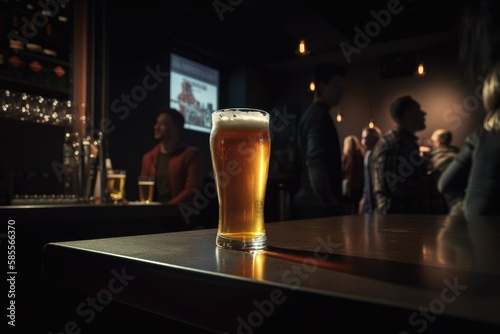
402, 181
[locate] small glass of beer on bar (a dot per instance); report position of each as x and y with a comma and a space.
240, 146
116, 184
146, 188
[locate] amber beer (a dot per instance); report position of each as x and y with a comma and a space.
146, 187
240, 145
116, 185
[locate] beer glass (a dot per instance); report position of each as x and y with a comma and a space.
116, 184
240, 146
146, 188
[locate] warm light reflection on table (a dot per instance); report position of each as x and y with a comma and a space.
249, 264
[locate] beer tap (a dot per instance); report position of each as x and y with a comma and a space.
102, 166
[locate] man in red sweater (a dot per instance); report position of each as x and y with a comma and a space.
177, 168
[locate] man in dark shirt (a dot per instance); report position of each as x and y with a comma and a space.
401, 178
320, 182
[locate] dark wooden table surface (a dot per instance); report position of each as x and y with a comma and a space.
380, 273
37, 225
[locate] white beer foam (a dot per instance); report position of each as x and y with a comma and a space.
117, 176
241, 118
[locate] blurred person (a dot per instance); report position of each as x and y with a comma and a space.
441, 154
479, 51
352, 171
319, 193
401, 180
441, 151
369, 138
178, 168
476, 169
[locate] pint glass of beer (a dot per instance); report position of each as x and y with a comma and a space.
146, 187
116, 184
240, 146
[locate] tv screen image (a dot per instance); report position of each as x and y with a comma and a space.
194, 91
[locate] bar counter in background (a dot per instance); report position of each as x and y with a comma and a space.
381, 274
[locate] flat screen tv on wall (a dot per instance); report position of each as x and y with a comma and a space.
194, 92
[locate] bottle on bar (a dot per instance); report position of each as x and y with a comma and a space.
14, 58
34, 37
17, 41
71, 153
35, 67
57, 72
49, 44
62, 31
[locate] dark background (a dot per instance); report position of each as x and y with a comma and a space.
252, 44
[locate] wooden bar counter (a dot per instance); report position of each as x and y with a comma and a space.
379, 273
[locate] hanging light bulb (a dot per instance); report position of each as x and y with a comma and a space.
421, 69
302, 50
339, 116
312, 86
302, 47
371, 124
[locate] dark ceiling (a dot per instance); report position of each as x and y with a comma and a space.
266, 32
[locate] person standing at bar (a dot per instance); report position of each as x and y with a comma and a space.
475, 170
369, 138
352, 169
401, 179
441, 154
319, 155
177, 167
